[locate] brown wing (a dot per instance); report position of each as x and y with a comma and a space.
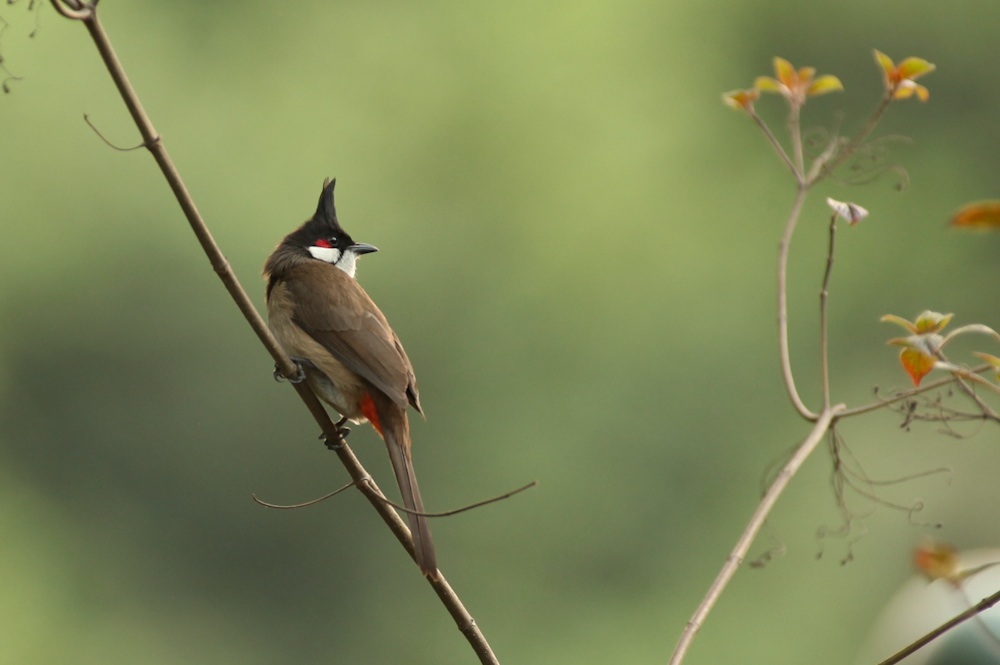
349, 325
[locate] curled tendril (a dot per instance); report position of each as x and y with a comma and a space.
75, 9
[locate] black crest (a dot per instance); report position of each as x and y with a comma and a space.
326, 211
324, 223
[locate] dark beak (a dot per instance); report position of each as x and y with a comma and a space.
362, 248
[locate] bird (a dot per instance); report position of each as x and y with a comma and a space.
343, 345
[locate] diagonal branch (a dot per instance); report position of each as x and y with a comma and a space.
824, 422
86, 12
975, 610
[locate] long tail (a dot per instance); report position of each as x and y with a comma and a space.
397, 440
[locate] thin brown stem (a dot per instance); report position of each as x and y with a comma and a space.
964, 386
975, 610
100, 135
304, 504
73, 9
824, 421
776, 144
783, 251
907, 394
87, 13
824, 355
984, 627
825, 167
471, 506
795, 136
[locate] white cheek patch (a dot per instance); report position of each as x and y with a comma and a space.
328, 254
348, 263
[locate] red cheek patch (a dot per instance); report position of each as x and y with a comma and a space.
322, 242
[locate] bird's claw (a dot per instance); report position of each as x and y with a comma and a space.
342, 433
300, 373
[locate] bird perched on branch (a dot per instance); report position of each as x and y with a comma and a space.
344, 346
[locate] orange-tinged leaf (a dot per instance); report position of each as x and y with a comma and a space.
825, 84
912, 68
981, 215
916, 363
884, 61
784, 72
741, 100
991, 359
937, 561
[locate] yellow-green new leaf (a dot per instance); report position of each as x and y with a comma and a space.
825, 84
912, 68
899, 321
931, 322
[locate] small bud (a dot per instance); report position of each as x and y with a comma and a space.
851, 212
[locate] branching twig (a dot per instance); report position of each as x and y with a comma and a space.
822, 425
907, 394
87, 14
824, 167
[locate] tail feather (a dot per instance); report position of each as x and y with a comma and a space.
397, 440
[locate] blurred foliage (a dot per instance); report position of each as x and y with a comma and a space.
578, 246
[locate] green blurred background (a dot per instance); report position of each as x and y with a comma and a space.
578, 245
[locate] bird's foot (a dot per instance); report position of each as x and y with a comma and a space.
342, 433
300, 371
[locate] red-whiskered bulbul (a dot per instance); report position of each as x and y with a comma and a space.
350, 356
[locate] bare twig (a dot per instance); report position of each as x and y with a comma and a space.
87, 14
985, 408
775, 143
783, 250
907, 394
75, 9
975, 610
471, 506
86, 119
444, 513
824, 355
832, 161
824, 421
304, 504
795, 135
